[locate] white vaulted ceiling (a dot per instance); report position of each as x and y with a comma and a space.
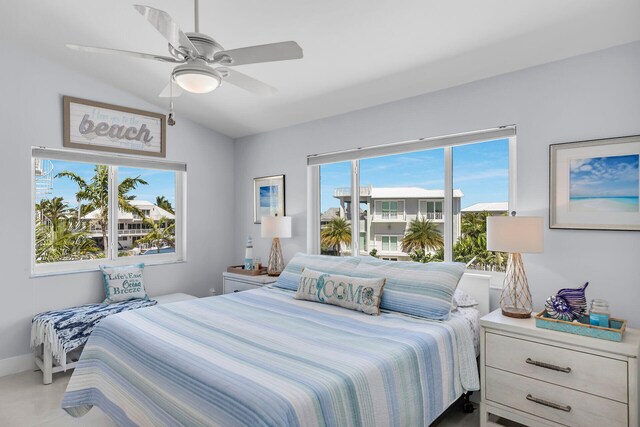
358, 53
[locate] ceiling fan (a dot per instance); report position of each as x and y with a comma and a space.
197, 53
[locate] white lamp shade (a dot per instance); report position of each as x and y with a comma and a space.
515, 234
276, 226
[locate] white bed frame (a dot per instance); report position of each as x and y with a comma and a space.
477, 285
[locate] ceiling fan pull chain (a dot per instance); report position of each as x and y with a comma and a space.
171, 121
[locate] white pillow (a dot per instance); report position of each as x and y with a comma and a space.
355, 293
462, 299
123, 283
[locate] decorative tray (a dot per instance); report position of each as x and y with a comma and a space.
613, 333
239, 269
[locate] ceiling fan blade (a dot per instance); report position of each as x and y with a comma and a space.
165, 24
109, 51
166, 92
245, 82
263, 53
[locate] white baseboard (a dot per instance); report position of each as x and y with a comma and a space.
13, 365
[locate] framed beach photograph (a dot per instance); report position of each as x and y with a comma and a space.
268, 197
92, 125
594, 185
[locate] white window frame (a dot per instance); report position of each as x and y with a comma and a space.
425, 213
389, 210
114, 161
398, 242
447, 142
400, 214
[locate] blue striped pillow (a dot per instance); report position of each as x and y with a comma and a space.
290, 277
424, 290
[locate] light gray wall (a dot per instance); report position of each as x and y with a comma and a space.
31, 115
586, 97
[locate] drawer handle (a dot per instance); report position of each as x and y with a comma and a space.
547, 366
543, 402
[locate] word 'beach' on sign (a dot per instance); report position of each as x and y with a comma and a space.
90, 129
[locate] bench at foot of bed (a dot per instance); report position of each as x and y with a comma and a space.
43, 356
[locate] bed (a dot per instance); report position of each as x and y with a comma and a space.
263, 358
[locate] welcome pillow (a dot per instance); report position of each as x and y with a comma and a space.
355, 293
123, 282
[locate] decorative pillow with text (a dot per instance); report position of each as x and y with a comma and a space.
123, 282
354, 293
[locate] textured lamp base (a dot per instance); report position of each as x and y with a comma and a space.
515, 299
276, 260
518, 313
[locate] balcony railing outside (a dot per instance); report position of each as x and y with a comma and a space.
346, 191
125, 232
390, 249
390, 216
432, 215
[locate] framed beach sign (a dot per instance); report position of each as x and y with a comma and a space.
268, 197
594, 185
98, 126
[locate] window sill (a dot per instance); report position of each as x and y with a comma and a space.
48, 272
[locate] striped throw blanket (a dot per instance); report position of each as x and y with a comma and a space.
263, 358
68, 329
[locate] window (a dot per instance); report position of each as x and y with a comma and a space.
151, 211
90, 207
481, 171
389, 243
424, 200
397, 185
335, 209
431, 209
390, 210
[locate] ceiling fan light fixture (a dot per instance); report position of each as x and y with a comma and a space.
196, 78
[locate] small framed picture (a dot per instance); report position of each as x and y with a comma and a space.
268, 197
594, 184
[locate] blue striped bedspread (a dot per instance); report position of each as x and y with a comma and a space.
263, 358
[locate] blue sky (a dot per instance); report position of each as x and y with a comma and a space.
480, 170
161, 183
615, 176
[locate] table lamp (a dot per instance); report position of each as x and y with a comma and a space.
515, 235
276, 227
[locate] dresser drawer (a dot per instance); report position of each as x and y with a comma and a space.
586, 372
578, 409
231, 286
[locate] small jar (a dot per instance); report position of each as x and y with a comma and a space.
599, 313
257, 263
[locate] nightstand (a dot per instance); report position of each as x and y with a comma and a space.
539, 377
233, 282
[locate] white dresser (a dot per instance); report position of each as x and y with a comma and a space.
539, 377
233, 282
